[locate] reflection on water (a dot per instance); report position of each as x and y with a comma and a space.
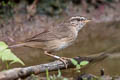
92, 40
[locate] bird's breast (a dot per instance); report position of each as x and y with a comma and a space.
57, 45
65, 42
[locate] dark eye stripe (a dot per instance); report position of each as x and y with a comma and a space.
78, 19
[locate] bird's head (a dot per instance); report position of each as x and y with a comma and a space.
78, 22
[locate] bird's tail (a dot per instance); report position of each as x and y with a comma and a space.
17, 45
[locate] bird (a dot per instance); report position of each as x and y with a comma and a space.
56, 38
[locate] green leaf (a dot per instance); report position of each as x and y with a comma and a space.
47, 74
78, 67
83, 63
7, 55
3, 3
65, 79
74, 61
59, 73
3, 46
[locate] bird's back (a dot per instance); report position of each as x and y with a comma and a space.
52, 33
54, 39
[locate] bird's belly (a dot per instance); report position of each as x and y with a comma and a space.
62, 46
58, 45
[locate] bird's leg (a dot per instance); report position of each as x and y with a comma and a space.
63, 59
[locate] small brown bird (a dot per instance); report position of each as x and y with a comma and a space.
56, 38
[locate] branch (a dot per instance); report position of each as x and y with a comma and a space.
16, 73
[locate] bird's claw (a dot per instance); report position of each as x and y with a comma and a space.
64, 60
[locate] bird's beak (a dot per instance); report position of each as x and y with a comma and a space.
86, 21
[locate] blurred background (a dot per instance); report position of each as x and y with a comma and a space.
100, 35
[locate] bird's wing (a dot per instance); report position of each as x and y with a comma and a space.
52, 33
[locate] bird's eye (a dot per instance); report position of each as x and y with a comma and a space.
78, 19
82, 19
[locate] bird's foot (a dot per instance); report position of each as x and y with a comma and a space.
64, 60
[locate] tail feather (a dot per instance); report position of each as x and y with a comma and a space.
16, 45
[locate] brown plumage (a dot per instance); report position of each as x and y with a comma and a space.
54, 38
